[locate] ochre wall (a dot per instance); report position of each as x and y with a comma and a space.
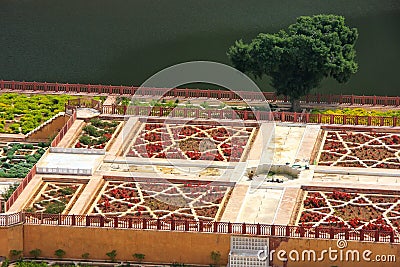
49, 130
11, 238
167, 247
318, 245
158, 246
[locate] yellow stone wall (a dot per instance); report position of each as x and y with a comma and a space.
167, 247
319, 245
11, 238
158, 246
49, 130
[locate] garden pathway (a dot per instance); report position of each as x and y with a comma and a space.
260, 205
235, 202
72, 134
287, 206
286, 142
307, 143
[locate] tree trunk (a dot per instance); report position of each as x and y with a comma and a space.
295, 105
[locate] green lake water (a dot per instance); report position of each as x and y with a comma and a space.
127, 41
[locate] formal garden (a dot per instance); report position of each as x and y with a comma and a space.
17, 159
97, 133
194, 142
162, 199
55, 197
360, 149
367, 211
21, 113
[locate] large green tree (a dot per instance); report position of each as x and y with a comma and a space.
299, 58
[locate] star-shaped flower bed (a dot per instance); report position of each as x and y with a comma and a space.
194, 142
350, 210
165, 200
361, 149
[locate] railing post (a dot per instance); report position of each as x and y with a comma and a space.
186, 225
331, 233
287, 232
258, 229
200, 226
158, 224
22, 217
215, 227
101, 221
391, 237
229, 227
59, 219
361, 235
273, 229
346, 234
316, 232
243, 228
129, 222
73, 220
376, 235
144, 223
302, 231
87, 217
172, 224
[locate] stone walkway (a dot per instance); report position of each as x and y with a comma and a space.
72, 134
259, 206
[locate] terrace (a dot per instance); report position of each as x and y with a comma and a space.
193, 174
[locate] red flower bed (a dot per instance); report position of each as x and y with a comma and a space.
194, 142
161, 200
340, 196
312, 202
361, 149
351, 210
310, 217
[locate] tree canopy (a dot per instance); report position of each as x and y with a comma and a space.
299, 58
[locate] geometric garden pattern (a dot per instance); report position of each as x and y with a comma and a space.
350, 210
165, 200
361, 149
194, 142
